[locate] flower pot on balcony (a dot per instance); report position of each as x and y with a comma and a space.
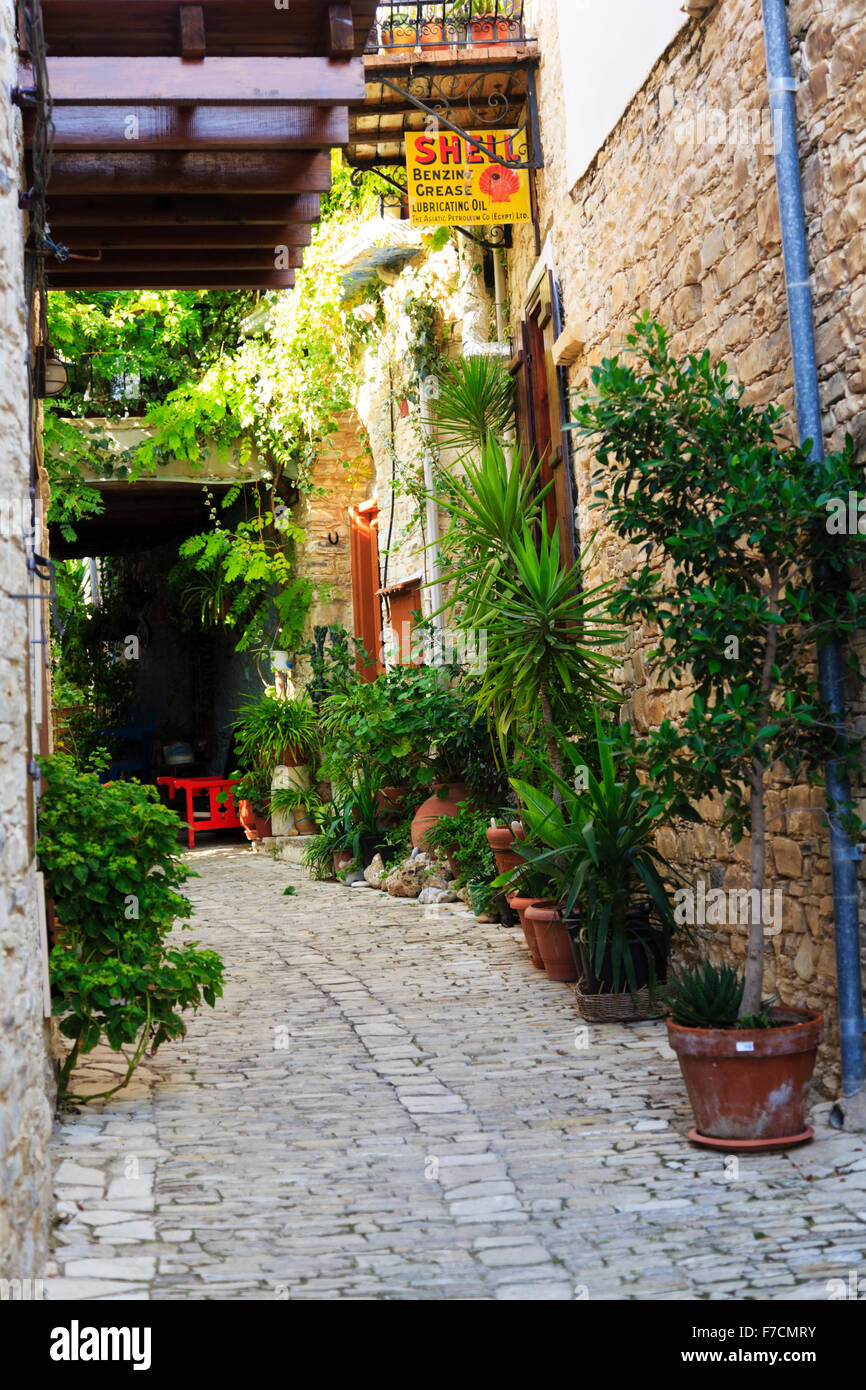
399, 36
486, 28
749, 1087
434, 34
553, 943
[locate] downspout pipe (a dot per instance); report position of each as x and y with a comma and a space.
843, 853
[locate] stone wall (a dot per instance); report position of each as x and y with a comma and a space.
25, 1076
678, 215
341, 479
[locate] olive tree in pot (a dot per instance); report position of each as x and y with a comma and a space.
743, 576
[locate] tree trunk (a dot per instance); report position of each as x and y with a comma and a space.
550, 736
755, 955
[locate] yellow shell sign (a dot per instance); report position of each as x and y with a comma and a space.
453, 184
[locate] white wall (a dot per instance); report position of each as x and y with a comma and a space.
607, 49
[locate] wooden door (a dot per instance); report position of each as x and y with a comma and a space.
366, 605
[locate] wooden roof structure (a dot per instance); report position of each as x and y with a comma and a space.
191, 142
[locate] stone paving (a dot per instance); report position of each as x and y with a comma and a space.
390, 1102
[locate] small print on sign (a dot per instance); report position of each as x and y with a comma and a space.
452, 184
745, 1047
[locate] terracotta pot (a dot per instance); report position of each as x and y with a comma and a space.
489, 29
433, 34
399, 36
519, 905
748, 1087
256, 827
500, 842
341, 859
304, 824
553, 942
392, 799
436, 806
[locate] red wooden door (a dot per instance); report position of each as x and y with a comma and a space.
367, 608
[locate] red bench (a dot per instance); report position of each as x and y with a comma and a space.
220, 815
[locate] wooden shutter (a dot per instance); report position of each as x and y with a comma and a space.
541, 409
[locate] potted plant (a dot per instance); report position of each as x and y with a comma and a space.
501, 840
609, 882
330, 850
748, 1078
362, 815
545, 624
434, 32
400, 31
252, 796
460, 838
489, 21
272, 732
743, 577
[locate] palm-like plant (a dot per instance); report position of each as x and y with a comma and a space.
475, 403
544, 635
597, 847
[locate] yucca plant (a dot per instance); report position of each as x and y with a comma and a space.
545, 631
597, 846
489, 504
475, 403
705, 997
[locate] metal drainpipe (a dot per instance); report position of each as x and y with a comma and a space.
434, 585
843, 853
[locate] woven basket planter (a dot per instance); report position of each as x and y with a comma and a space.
619, 1008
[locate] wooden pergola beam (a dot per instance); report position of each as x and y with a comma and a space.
194, 210
205, 238
126, 81
340, 31
178, 280
225, 127
175, 171
126, 262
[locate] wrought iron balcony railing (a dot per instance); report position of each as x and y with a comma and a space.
441, 24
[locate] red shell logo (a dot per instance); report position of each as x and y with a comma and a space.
499, 184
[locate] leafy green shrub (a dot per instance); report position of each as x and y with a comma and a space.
109, 858
268, 727
462, 838
741, 574
254, 787
413, 725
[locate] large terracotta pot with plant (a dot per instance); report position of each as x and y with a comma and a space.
748, 1077
519, 905
749, 1087
445, 801
552, 939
